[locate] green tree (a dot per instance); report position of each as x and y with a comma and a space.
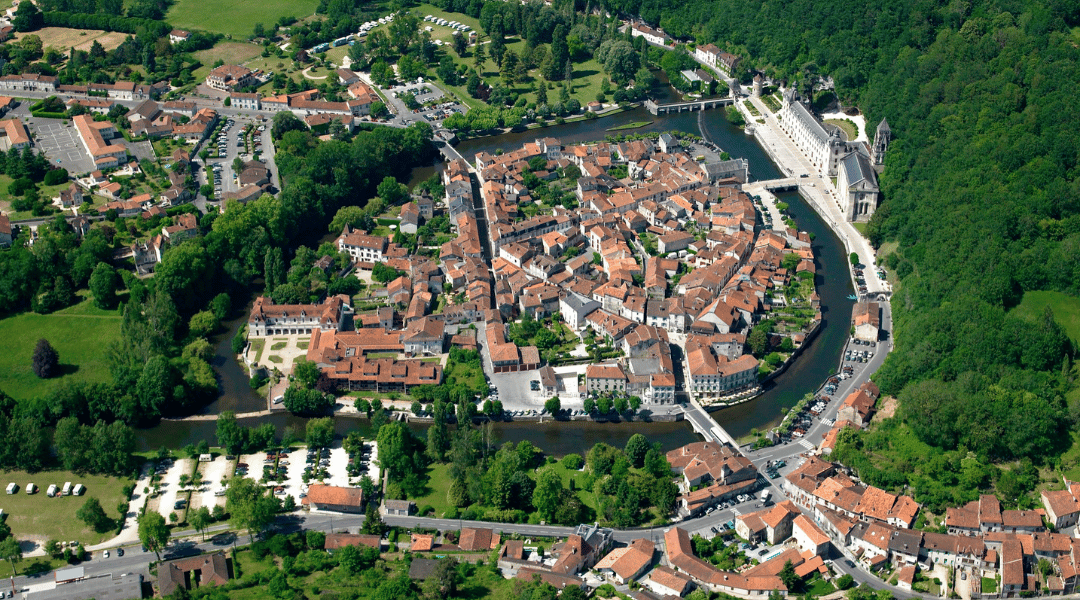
154, 533
553, 405
93, 515
46, 361
443, 581
203, 323
230, 435
320, 432
301, 401
357, 559
11, 551
200, 519
636, 449
547, 496
306, 373
103, 284
249, 506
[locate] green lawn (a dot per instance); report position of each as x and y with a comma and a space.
54, 518
438, 485
237, 17
1066, 309
469, 374
258, 346
847, 125
79, 333
989, 585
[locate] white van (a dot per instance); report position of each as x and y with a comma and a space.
206, 458
12, 488
51, 491
79, 489
30, 488
67, 488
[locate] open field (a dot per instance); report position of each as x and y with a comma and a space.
236, 18
1066, 310
79, 336
42, 518
63, 38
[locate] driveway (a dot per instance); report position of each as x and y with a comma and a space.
61, 144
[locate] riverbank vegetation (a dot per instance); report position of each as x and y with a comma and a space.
460, 474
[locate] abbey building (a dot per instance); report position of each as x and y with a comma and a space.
849, 164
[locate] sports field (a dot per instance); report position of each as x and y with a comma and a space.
79, 334
236, 17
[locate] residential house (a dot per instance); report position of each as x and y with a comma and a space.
334, 498
193, 572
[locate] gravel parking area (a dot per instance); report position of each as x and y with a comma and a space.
170, 485
339, 466
294, 478
373, 458
214, 474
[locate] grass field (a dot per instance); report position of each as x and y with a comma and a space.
42, 518
63, 38
236, 18
79, 333
1066, 309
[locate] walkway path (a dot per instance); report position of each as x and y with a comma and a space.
312, 77
130, 532
247, 415
818, 191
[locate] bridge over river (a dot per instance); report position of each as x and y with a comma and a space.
676, 107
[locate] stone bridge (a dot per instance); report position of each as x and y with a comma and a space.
675, 107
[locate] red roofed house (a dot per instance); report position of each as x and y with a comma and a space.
337, 499
478, 539
1062, 506
809, 536
626, 564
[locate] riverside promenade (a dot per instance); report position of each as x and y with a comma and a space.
817, 190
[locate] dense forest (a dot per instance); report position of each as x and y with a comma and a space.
980, 186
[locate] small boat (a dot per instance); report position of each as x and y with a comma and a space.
852, 297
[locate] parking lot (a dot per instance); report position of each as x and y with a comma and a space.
170, 487
229, 145
61, 144
425, 93
214, 475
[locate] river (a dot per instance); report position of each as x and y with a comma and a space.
805, 374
